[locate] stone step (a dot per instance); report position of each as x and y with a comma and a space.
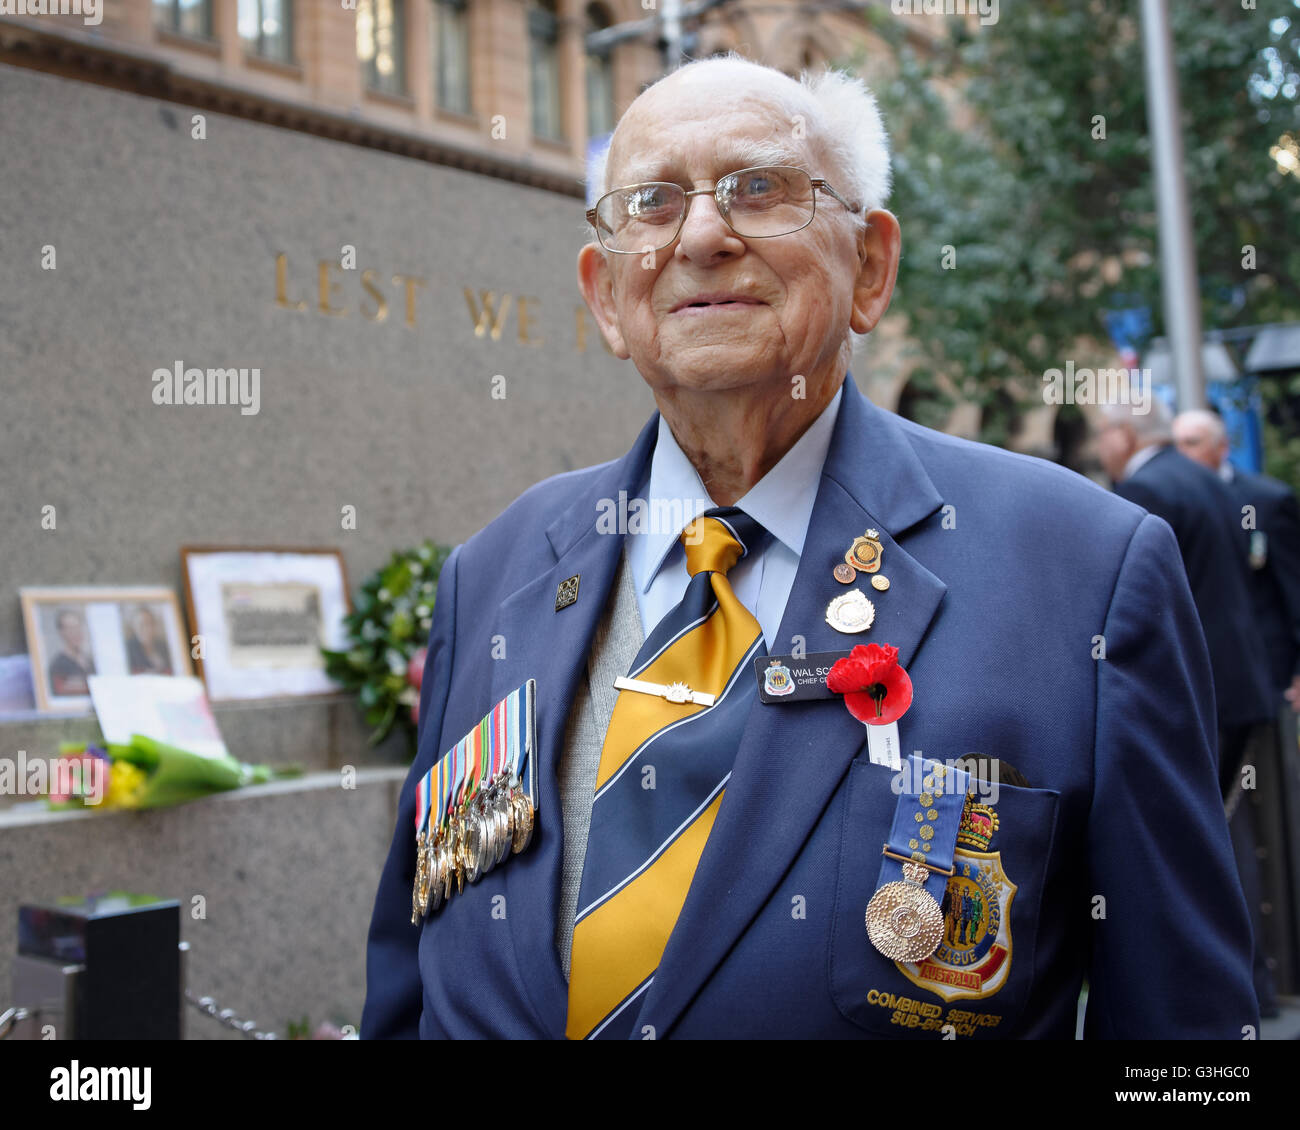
276, 884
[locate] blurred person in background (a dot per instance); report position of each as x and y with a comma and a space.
1273, 545
1266, 511
1137, 450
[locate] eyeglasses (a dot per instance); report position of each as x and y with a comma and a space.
756, 203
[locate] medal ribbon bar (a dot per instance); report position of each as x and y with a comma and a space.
926, 821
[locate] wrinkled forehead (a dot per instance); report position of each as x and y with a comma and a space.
681, 131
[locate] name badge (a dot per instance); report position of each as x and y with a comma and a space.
784, 678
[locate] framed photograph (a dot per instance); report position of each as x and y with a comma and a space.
262, 616
75, 632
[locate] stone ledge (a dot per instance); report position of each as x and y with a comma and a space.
276, 884
324, 732
34, 812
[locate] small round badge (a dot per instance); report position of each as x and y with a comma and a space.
850, 613
844, 573
880, 582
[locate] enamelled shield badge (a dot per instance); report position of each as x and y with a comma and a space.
777, 679
974, 957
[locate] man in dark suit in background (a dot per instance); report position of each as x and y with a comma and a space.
1137, 451
1272, 530
1274, 545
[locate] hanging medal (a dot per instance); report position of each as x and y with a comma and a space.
501, 782
471, 808
434, 835
904, 919
523, 802
420, 888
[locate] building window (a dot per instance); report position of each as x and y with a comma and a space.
544, 67
381, 44
600, 76
451, 50
266, 28
185, 17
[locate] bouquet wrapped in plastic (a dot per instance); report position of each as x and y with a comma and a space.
148, 774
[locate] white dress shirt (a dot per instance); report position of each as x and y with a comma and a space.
781, 501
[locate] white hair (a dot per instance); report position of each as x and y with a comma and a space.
1154, 423
1212, 422
839, 115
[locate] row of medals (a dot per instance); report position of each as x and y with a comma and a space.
498, 822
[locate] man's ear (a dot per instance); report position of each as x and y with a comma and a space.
879, 245
596, 282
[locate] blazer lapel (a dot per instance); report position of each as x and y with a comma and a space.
792, 758
551, 646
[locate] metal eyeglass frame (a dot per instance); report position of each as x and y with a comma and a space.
816, 182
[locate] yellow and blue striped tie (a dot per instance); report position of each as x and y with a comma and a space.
662, 772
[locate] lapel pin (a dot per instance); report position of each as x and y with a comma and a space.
844, 573
850, 613
567, 593
865, 553
880, 582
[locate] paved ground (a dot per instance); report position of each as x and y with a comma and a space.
1286, 1026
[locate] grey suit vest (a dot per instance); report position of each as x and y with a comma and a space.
617, 639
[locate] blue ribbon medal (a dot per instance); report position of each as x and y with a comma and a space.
904, 919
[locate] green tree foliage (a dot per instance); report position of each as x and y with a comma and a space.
1024, 187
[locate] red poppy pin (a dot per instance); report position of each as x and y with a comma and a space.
875, 687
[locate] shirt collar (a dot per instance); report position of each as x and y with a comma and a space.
1140, 458
781, 501
1227, 472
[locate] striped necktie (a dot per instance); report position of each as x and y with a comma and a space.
662, 772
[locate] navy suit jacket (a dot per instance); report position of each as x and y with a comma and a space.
1200, 508
1275, 585
1008, 575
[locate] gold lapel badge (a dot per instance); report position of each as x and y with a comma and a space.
865, 553
864, 556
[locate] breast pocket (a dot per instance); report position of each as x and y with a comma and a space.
978, 979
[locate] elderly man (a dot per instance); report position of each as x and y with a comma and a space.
720, 847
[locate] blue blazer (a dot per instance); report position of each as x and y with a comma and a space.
1206, 522
1008, 575
1275, 580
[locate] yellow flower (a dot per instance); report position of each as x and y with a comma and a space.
125, 784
